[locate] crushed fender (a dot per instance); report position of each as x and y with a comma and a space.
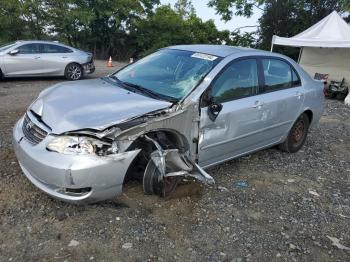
167, 167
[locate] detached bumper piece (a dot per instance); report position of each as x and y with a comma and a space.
338, 90
166, 168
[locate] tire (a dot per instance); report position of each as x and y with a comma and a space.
341, 96
73, 72
297, 135
153, 186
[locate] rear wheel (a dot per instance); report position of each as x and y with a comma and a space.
73, 72
297, 135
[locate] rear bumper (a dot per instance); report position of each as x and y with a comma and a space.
71, 178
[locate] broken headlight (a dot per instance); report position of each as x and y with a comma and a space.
74, 145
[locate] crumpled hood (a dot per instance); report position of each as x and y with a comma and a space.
95, 104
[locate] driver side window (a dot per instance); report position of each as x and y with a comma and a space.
29, 49
238, 80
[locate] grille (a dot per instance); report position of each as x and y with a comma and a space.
32, 132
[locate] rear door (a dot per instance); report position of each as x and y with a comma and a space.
282, 97
25, 62
55, 58
239, 126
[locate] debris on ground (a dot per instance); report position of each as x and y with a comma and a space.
127, 246
241, 184
312, 192
222, 189
336, 242
73, 243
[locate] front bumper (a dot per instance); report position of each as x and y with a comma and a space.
71, 178
89, 68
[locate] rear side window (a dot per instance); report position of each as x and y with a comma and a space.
279, 75
295, 79
29, 49
51, 49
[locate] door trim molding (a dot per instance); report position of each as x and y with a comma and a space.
245, 135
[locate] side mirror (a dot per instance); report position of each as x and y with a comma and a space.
214, 109
14, 52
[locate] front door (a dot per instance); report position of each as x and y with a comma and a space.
239, 125
26, 62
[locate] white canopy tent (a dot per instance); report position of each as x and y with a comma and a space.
325, 47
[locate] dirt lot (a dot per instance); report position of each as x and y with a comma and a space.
290, 207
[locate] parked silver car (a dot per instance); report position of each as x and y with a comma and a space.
169, 115
43, 58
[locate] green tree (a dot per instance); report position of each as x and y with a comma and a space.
168, 26
21, 19
228, 8
280, 17
162, 28
184, 8
289, 17
102, 26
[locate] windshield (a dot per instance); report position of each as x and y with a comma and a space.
169, 73
7, 46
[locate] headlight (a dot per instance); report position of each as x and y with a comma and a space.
74, 145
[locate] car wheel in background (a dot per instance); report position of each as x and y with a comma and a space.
73, 72
297, 135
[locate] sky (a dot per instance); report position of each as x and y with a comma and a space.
206, 13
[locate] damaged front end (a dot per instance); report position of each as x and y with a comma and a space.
158, 148
167, 140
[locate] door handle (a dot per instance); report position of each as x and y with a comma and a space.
36, 57
258, 104
299, 94
64, 57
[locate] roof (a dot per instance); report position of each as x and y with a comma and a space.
38, 41
331, 31
216, 50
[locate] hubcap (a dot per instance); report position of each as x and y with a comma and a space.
74, 72
298, 131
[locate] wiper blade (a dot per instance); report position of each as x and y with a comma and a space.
137, 88
150, 93
142, 90
122, 84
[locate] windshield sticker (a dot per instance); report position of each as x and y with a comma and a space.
204, 56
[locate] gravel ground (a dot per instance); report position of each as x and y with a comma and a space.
292, 208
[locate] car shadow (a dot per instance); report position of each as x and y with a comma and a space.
43, 78
27, 79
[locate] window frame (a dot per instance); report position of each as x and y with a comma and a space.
292, 69
239, 59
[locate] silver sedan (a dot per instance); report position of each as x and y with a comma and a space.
168, 116
43, 58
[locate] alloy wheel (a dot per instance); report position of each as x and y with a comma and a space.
74, 72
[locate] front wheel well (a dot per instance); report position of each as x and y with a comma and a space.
167, 139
